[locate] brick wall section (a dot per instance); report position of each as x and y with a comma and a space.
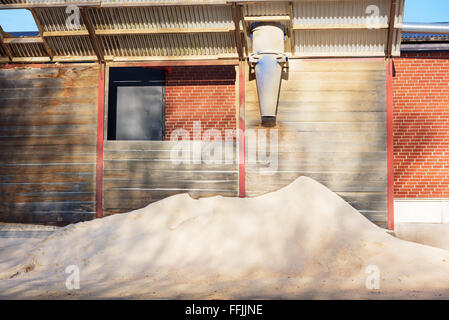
201, 93
421, 125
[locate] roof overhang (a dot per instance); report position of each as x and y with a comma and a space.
127, 30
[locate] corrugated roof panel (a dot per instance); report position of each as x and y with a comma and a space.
275, 8
173, 44
176, 22
424, 36
54, 2
172, 17
361, 12
156, 2
326, 43
71, 46
113, 2
2, 52
54, 19
28, 50
399, 18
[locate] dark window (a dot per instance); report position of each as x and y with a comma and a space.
136, 105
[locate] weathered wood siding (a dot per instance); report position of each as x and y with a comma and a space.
332, 128
141, 172
48, 130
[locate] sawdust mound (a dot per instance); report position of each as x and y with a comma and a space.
301, 231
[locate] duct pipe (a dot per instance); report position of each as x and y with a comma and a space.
268, 59
437, 28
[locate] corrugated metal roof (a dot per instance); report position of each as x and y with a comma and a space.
28, 50
71, 46
54, 19
344, 28
425, 36
145, 32
189, 17
169, 45
313, 43
112, 2
312, 13
279, 8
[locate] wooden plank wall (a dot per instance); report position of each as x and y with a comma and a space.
48, 129
332, 128
137, 173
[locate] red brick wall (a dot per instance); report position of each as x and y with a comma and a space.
421, 125
204, 93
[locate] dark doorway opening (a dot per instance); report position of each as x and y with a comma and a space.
136, 104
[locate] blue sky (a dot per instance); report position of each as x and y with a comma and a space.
426, 11
415, 11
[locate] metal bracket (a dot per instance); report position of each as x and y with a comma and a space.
281, 58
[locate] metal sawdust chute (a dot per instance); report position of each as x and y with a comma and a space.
268, 60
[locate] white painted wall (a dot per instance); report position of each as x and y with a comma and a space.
421, 211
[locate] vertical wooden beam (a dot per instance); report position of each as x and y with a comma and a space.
241, 135
92, 36
245, 30
388, 54
292, 32
390, 146
41, 34
5, 46
238, 35
100, 142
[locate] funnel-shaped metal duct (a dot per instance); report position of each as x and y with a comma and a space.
268, 59
268, 78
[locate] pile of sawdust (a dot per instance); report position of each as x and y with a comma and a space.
301, 241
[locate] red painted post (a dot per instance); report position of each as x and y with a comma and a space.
241, 135
390, 157
100, 137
